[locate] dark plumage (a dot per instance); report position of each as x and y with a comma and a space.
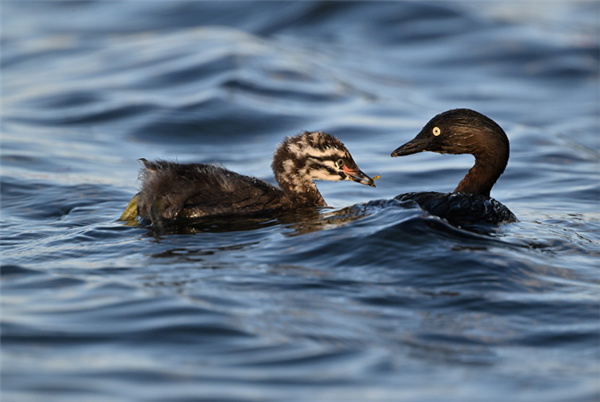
464, 131
172, 191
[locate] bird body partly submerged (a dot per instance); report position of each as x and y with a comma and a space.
459, 208
172, 191
464, 131
187, 191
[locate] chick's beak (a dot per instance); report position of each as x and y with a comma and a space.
414, 146
358, 176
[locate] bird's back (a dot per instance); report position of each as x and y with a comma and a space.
461, 209
171, 190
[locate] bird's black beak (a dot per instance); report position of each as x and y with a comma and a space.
414, 146
358, 176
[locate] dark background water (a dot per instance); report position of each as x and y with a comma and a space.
368, 300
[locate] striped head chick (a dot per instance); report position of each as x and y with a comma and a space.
309, 156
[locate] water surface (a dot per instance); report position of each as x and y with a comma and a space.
366, 300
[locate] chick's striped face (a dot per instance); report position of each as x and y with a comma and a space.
331, 164
319, 156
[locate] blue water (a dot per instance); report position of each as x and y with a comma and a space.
367, 300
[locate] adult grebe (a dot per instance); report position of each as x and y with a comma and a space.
464, 131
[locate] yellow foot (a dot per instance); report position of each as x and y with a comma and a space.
131, 211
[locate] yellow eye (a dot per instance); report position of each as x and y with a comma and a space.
436, 131
339, 163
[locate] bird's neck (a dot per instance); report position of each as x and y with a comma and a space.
301, 192
481, 178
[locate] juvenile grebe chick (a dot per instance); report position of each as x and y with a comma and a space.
464, 131
172, 191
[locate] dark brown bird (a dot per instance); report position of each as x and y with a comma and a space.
172, 191
464, 131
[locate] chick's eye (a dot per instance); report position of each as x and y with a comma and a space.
436, 131
339, 163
